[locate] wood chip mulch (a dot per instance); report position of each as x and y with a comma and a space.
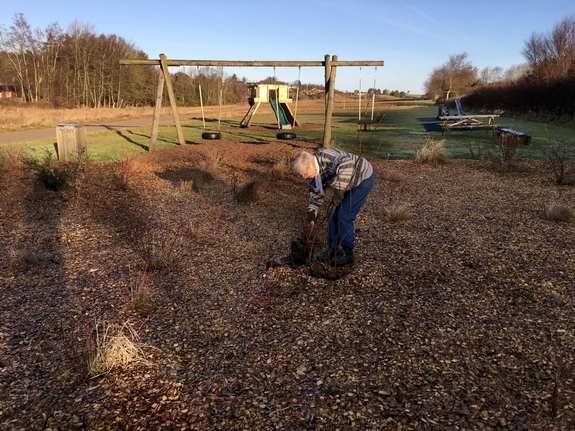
459, 317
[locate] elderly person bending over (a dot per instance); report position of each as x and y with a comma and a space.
351, 177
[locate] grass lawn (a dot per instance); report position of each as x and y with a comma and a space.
401, 131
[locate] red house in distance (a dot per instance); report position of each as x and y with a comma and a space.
9, 91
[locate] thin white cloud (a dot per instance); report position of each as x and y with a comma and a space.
438, 23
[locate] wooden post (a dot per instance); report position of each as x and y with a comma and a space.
329, 96
172, 98
157, 112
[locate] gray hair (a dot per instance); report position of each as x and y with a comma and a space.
302, 162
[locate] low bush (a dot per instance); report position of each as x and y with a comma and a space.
52, 178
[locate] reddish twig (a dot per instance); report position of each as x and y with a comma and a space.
268, 299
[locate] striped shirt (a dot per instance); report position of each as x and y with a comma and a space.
339, 171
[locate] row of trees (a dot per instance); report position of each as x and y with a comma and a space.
458, 77
543, 86
548, 88
78, 67
386, 92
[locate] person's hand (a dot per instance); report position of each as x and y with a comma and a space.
311, 216
337, 197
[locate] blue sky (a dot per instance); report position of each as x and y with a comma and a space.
412, 37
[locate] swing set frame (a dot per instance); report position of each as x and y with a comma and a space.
330, 63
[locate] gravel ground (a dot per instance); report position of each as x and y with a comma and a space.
457, 316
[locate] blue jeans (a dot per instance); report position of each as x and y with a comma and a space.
341, 229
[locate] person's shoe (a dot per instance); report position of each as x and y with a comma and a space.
343, 257
327, 255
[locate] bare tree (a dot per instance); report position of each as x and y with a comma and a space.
452, 79
552, 56
516, 72
17, 42
32, 55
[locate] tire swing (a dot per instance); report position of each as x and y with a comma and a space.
292, 135
213, 136
286, 135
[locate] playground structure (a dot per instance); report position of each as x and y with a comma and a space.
278, 97
330, 64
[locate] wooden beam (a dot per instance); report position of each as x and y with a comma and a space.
225, 63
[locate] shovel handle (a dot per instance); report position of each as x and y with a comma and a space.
309, 231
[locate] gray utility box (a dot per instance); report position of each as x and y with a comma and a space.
72, 142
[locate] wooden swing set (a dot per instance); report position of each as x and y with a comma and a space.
329, 63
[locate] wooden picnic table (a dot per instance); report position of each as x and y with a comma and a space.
467, 121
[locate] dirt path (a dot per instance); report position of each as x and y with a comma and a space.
34, 135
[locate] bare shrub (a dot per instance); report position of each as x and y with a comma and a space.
249, 192
127, 161
193, 229
561, 156
432, 152
556, 211
139, 293
481, 151
11, 159
125, 167
121, 180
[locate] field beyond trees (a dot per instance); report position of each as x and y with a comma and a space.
156, 293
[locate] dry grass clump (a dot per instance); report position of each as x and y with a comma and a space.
111, 346
280, 169
394, 176
187, 186
432, 152
249, 192
556, 211
156, 249
210, 166
397, 211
